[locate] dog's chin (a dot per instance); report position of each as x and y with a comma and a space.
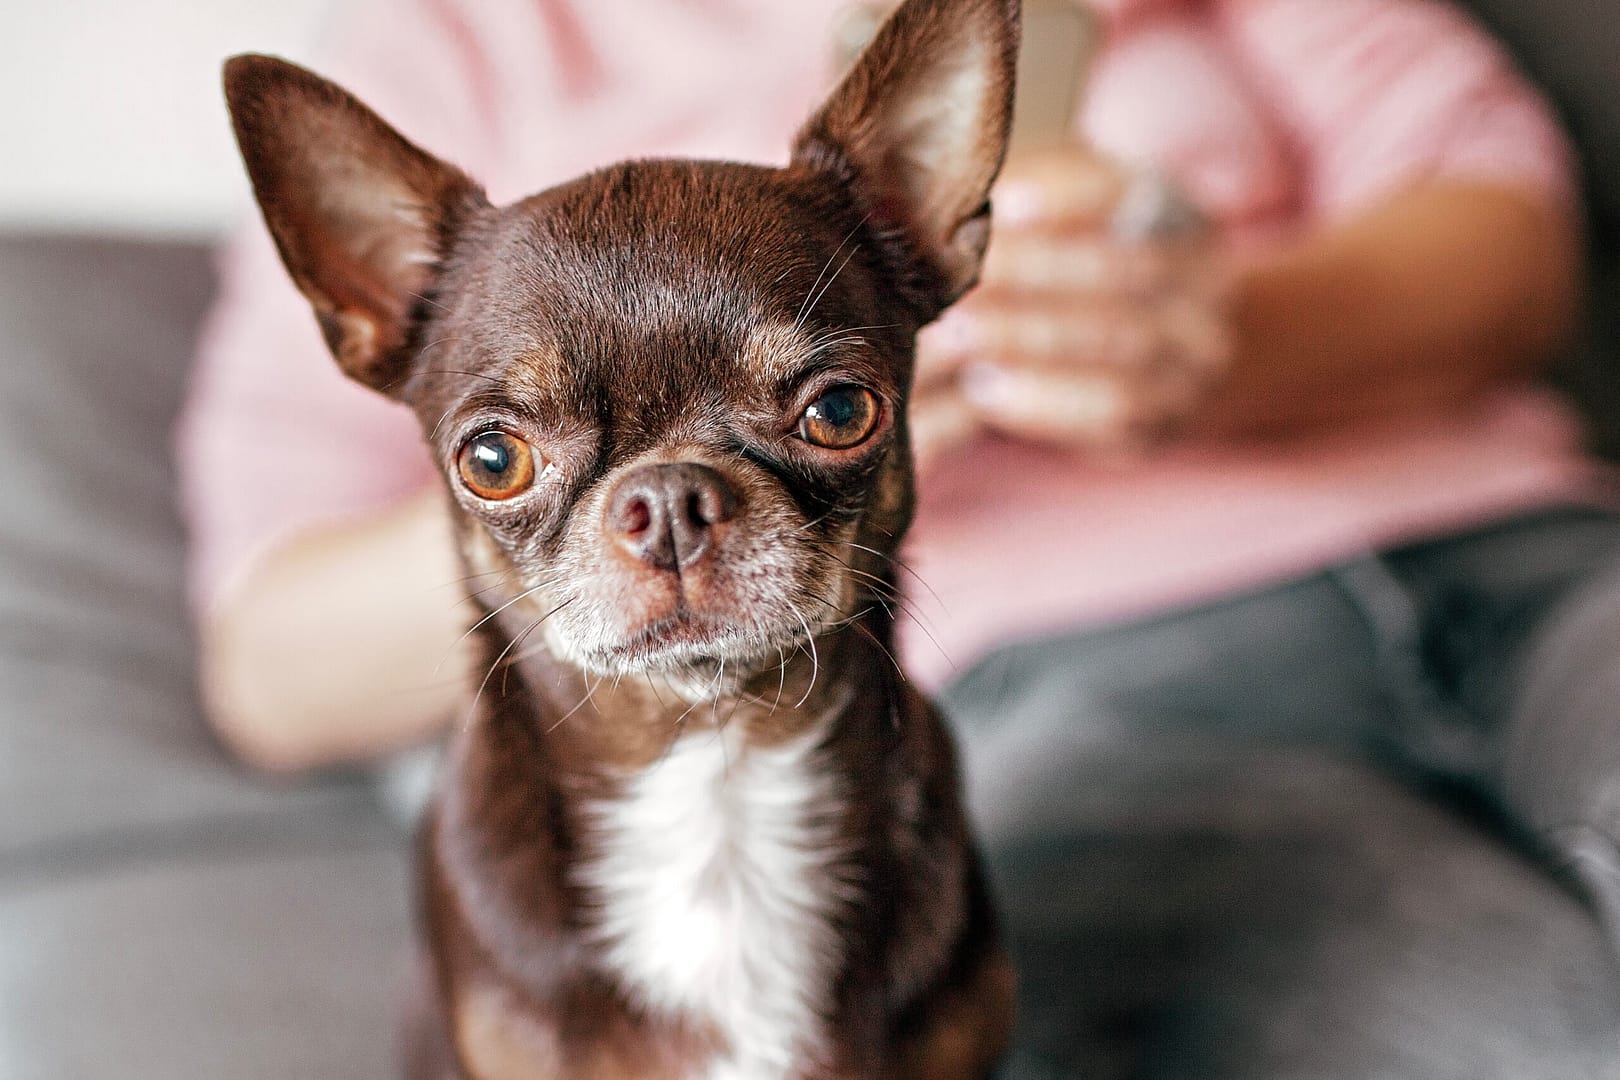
687, 645
699, 649
719, 638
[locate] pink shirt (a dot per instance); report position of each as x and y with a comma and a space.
1269, 113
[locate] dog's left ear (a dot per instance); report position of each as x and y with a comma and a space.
362, 217
919, 129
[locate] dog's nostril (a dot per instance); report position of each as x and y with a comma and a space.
711, 503
666, 515
635, 516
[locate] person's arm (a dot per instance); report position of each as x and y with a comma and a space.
1448, 234
1439, 256
1437, 292
344, 642
1428, 297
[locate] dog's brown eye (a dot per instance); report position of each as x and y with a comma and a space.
839, 419
496, 465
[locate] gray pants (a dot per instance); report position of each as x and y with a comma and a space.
1358, 825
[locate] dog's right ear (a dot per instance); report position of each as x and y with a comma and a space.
362, 217
918, 130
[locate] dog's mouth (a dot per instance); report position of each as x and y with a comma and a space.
683, 635
610, 633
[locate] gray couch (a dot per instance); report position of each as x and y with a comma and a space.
165, 915
162, 915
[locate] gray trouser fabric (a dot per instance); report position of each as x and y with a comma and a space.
1350, 826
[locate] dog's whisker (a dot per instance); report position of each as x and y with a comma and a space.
472, 710
715, 688
739, 700
884, 649
478, 695
781, 679
440, 422
524, 595
928, 632
470, 577
813, 297
590, 692
815, 660
652, 688
858, 329
815, 521
829, 283
885, 588
438, 371
899, 564
426, 299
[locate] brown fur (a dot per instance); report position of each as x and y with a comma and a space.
653, 313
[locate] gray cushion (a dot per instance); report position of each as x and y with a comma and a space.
1258, 912
162, 913
100, 730
234, 958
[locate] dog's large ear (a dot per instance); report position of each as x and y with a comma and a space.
919, 127
361, 216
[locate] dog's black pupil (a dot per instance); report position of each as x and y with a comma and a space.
493, 456
837, 408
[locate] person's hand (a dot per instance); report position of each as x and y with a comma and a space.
1080, 333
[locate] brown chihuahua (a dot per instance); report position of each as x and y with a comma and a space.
698, 824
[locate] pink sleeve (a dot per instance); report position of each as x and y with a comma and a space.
1377, 93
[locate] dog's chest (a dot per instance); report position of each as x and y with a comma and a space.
716, 882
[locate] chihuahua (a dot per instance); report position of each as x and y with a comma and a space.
698, 824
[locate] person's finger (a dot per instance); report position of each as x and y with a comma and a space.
1064, 408
1068, 186
1118, 412
1040, 260
1017, 333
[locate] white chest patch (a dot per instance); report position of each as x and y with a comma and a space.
717, 884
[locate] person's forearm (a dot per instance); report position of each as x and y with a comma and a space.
342, 644
1432, 296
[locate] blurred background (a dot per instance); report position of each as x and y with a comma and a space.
165, 914
114, 123
162, 913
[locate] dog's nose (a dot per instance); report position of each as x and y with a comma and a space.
665, 515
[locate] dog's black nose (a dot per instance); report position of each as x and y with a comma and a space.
665, 515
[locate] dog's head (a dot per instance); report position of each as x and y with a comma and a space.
668, 398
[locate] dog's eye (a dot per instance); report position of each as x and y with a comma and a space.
839, 419
496, 465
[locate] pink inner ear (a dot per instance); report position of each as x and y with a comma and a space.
968, 243
939, 129
368, 245
358, 212
367, 234
373, 248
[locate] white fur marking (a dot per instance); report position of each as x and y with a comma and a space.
717, 883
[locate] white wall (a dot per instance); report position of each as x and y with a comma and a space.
110, 110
